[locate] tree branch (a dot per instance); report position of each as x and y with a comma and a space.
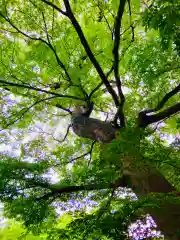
46, 28
55, 139
86, 46
116, 60
83, 155
101, 83
90, 152
63, 108
117, 41
91, 56
164, 100
55, 191
39, 90
54, 6
145, 120
25, 110
110, 29
60, 63
65, 136
130, 17
103, 16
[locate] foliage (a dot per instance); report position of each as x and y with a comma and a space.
51, 180
164, 16
14, 230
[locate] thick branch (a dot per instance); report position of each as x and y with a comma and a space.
117, 36
38, 90
86, 46
89, 52
164, 99
116, 59
130, 16
55, 191
145, 120
54, 6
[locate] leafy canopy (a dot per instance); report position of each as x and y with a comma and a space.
45, 71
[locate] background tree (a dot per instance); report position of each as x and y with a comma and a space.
124, 57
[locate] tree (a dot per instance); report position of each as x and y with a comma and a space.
124, 57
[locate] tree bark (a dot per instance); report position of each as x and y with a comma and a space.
93, 129
143, 181
167, 214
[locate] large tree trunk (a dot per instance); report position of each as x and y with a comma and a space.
167, 215
143, 181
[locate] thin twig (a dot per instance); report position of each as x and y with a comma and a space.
101, 212
25, 110
55, 139
101, 83
84, 154
110, 29
46, 28
53, 24
90, 153
60, 63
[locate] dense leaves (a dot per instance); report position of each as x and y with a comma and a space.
123, 56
